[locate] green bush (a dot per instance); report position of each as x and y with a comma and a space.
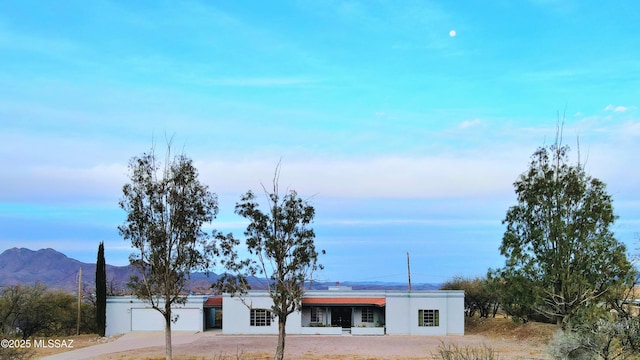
27, 311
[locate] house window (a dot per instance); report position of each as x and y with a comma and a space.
317, 315
428, 317
367, 315
260, 317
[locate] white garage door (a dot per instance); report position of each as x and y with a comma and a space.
189, 319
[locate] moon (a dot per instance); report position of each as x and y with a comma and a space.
452, 33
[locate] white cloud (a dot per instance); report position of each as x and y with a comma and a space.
619, 108
376, 177
430, 222
101, 175
451, 169
65, 184
468, 124
488, 170
630, 130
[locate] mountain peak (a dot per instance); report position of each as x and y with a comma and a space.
55, 270
24, 252
20, 258
49, 267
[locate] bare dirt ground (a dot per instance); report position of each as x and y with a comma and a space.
331, 347
509, 340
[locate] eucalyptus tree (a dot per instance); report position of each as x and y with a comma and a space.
559, 237
166, 206
281, 248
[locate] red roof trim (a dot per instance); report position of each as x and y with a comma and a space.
214, 301
343, 301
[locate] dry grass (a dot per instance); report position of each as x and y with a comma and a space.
532, 332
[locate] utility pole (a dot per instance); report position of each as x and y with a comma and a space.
79, 299
409, 270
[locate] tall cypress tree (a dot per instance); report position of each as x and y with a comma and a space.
101, 291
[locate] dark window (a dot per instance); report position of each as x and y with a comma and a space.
367, 315
428, 317
260, 317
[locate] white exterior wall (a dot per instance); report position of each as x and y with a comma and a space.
236, 318
455, 315
118, 319
148, 319
400, 315
403, 309
127, 313
397, 318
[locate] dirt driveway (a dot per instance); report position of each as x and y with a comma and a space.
212, 345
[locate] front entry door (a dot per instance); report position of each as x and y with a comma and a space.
341, 317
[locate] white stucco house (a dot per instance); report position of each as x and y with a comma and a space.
330, 312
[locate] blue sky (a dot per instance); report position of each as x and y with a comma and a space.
404, 137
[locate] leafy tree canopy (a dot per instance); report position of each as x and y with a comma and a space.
166, 208
559, 239
280, 243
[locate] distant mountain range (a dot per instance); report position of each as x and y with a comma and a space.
53, 269
57, 271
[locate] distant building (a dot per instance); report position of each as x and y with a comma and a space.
329, 312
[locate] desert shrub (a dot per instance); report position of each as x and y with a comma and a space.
455, 352
16, 354
570, 345
603, 339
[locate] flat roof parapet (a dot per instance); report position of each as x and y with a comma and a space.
340, 288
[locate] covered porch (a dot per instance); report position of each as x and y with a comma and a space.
335, 315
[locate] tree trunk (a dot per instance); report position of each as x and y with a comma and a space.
167, 333
282, 321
